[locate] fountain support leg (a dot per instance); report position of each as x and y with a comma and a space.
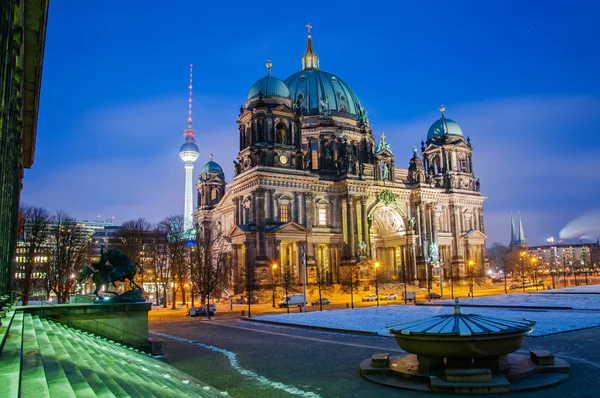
428, 364
495, 363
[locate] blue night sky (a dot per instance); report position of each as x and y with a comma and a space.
521, 78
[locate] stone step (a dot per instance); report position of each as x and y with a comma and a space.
161, 377
58, 383
85, 365
78, 382
33, 376
10, 360
6, 322
167, 380
112, 388
131, 383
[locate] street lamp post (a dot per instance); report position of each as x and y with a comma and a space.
523, 257
533, 261
274, 267
553, 265
377, 282
471, 277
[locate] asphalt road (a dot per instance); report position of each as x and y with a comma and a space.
253, 360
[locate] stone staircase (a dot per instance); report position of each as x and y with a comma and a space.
41, 358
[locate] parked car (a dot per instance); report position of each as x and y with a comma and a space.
201, 310
515, 286
433, 296
323, 301
390, 296
293, 299
540, 283
372, 297
410, 296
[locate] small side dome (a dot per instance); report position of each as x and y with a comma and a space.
212, 168
443, 127
269, 86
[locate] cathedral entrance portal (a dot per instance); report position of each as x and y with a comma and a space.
391, 242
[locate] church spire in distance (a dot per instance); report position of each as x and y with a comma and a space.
310, 59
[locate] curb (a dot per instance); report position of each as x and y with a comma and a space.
525, 307
323, 328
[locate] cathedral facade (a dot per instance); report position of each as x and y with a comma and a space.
313, 189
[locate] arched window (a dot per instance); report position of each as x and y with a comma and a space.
284, 212
280, 134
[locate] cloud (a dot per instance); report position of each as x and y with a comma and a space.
586, 226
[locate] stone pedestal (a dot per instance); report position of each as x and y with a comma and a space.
126, 323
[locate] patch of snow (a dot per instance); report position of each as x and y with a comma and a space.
584, 313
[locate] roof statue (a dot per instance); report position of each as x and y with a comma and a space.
383, 146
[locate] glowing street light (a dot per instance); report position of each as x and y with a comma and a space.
471, 277
377, 282
274, 266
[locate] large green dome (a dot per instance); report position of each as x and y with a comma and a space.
443, 127
320, 91
269, 86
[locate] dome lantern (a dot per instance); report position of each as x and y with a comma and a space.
310, 59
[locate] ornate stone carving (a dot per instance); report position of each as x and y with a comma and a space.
386, 197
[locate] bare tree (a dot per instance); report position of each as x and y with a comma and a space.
35, 249
69, 250
210, 260
498, 256
173, 230
322, 282
287, 281
133, 238
248, 284
350, 283
156, 259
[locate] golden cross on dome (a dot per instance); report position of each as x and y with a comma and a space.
269, 65
382, 137
442, 109
211, 155
308, 26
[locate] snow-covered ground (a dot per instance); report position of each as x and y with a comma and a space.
585, 312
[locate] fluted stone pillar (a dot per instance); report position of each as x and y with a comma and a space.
365, 224
352, 226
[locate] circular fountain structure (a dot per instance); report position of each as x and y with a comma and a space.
463, 353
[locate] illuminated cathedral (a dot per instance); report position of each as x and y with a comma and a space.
314, 189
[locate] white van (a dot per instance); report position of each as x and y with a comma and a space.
293, 299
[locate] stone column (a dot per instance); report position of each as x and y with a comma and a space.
301, 209
236, 211
481, 227
351, 226
434, 229
345, 223
275, 209
295, 206
309, 210
259, 195
365, 224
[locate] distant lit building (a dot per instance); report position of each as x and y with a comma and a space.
105, 237
569, 257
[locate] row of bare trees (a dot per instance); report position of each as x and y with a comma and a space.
53, 247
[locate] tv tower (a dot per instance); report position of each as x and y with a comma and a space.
189, 152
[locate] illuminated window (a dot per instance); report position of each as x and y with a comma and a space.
322, 216
284, 213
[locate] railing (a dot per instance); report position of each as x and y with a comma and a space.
98, 325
